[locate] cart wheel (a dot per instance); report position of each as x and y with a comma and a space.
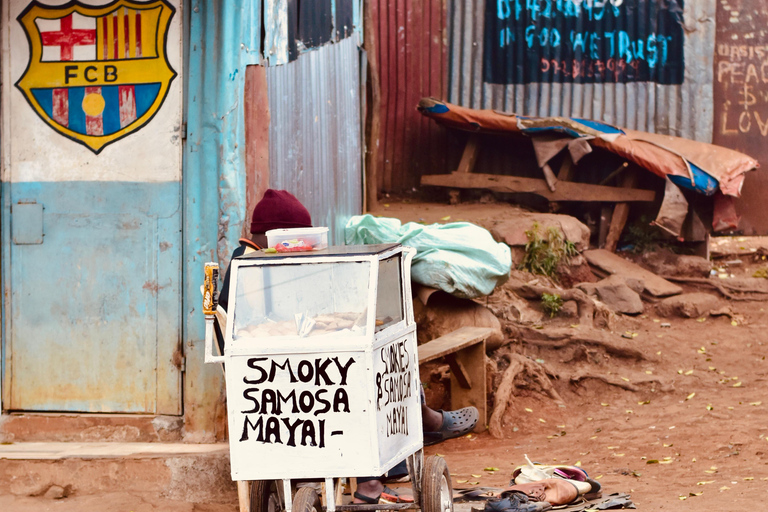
437, 491
265, 497
307, 500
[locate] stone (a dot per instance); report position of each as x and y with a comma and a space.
616, 293
445, 313
615, 264
575, 271
56, 492
512, 230
570, 309
688, 305
168, 428
667, 263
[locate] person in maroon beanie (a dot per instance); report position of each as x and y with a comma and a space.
279, 209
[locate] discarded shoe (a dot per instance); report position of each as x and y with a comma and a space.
455, 424
556, 491
532, 472
515, 502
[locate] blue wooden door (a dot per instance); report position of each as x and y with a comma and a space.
92, 208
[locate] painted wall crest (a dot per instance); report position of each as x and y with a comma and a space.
97, 73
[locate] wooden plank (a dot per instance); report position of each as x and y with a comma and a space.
566, 190
620, 212
452, 342
473, 360
457, 368
614, 264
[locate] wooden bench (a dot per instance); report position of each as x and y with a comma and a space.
464, 351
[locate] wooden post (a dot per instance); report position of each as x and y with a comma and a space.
373, 118
256, 103
467, 164
620, 212
244, 495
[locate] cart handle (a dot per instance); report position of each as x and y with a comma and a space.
209, 356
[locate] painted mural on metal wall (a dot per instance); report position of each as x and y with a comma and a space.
740, 88
97, 74
583, 41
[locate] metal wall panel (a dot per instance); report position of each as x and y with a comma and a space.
682, 110
315, 147
224, 37
741, 99
411, 57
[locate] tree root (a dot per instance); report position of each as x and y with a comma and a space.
577, 377
629, 386
518, 364
533, 291
563, 337
722, 287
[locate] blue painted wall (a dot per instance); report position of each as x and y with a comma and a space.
223, 39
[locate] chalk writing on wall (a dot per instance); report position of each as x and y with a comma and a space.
583, 41
741, 75
295, 401
394, 386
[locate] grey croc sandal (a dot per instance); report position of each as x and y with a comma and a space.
455, 424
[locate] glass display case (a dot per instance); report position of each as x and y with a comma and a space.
321, 364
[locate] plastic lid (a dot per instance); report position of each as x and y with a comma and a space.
297, 231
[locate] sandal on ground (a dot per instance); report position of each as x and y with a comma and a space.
455, 424
367, 499
390, 495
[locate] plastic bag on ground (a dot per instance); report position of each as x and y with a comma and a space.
459, 258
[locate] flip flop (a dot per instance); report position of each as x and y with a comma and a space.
455, 424
390, 495
367, 500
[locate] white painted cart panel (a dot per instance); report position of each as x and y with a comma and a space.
321, 364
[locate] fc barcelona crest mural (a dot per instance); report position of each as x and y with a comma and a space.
97, 73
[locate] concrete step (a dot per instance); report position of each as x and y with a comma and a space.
126, 428
194, 473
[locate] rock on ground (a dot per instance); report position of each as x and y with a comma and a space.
445, 313
511, 230
667, 263
688, 305
621, 294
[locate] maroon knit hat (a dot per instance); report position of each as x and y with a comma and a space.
279, 209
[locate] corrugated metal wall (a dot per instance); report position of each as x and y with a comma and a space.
435, 48
411, 56
682, 110
315, 147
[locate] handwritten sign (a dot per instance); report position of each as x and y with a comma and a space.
323, 414
294, 412
397, 401
740, 99
307, 414
583, 41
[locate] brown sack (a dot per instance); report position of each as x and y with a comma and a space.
556, 491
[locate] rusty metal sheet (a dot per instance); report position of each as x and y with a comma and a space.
411, 56
741, 98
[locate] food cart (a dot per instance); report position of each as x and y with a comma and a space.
322, 376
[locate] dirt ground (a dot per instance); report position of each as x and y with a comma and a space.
693, 435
